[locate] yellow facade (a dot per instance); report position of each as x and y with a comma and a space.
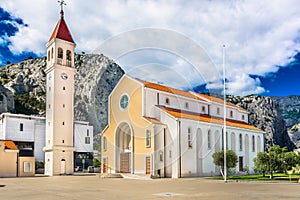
131, 119
8, 161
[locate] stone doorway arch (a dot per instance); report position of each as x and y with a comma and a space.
124, 148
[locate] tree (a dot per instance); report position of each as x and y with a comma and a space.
274, 160
261, 163
231, 159
290, 160
96, 162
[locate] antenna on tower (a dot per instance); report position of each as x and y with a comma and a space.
61, 3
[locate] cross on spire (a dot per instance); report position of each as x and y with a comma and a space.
61, 3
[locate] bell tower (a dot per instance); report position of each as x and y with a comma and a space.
60, 72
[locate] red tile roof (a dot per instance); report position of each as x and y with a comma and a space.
10, 145
193, 95
170, 90
206, 118
153, 120
61, 31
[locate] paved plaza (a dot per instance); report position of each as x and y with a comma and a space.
96, 188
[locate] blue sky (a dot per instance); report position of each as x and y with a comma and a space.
177, 43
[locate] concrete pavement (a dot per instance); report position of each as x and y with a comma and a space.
94, 187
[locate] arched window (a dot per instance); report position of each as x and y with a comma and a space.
148, 138
231, 113
186, 105
258, 144
189, 138
233, 141
60, 53
209, 139
104, 144
69, 58
167, 101
241, 142
253, 143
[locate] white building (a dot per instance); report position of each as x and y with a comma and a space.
154, 129
29, 132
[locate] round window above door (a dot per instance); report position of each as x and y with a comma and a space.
124, 102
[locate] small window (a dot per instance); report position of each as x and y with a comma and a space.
241, 142
63, 123
186, 105
148, 138
243, 117
69, 57
231, 113
52, 52
48, 56
170, 154
64, 88
189, 138
48, 123
21, 126
218, 111
104, 144
63, 141
203, 108
49, 89
49, 106
87, 140
64, 105
60, 53
253, 143
27, 167
167, 101
209, 139
87, 132
161, 156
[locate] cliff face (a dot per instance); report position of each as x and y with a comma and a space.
265, 114
95, 79
290, 108
294, 133
96, 76
6, 100
22, 90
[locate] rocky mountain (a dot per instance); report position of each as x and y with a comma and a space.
290, 108
22, 88
294, 133
265, 114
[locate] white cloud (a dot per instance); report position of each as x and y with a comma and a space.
242, 85
259, 35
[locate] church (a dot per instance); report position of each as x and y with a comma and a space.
162, 131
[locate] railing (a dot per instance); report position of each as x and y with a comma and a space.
60, 62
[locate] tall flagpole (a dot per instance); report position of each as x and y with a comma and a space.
224, 129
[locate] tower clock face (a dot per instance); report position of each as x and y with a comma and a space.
64, 76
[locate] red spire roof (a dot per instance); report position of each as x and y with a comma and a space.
61, 31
